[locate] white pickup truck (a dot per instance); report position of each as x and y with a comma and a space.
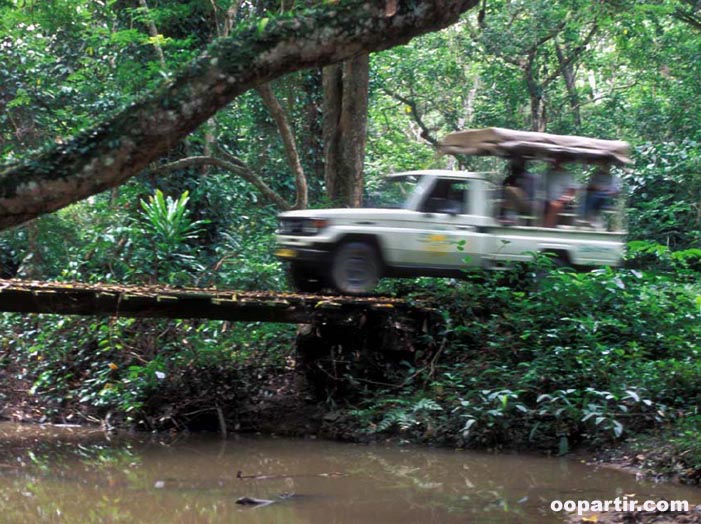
448, 223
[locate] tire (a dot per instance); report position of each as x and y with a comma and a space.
356, 268
304, 279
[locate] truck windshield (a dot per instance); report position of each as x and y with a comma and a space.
390, 192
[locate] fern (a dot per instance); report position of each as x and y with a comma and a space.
426, 404
408, 416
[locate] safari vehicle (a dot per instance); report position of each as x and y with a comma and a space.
450, 221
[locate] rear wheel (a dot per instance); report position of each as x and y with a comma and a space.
356, 268
304, 279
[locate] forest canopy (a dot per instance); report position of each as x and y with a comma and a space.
78, 77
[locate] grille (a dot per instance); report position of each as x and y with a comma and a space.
292, 226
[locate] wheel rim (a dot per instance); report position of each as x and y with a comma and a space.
355, 269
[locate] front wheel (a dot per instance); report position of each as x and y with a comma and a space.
356, 268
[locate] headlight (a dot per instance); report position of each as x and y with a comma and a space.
314, 226
301, 226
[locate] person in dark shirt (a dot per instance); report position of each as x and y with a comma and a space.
602, 189
518, 191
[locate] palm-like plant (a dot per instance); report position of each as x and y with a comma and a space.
168, 226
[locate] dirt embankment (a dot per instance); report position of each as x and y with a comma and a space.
641, 459
280, 403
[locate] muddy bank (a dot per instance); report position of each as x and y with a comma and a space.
277, 403
281, 401
645, 458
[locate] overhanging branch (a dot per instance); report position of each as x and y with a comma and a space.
108, 154
231, 164
415, 113
288, 140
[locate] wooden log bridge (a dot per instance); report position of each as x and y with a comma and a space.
26, 296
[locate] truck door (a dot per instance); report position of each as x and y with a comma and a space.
449, 235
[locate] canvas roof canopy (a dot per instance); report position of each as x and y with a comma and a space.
497, 141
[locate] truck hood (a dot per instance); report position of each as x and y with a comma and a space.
346, 213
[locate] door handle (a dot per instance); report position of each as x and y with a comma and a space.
466, 228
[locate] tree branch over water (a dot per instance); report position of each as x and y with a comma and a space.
110, 153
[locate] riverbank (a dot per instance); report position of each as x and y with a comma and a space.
285, 406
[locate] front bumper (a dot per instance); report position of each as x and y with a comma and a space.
304, 255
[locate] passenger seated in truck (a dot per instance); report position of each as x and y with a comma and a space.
518, 192
560, 193
602, 189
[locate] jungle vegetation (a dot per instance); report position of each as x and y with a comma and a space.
584, 358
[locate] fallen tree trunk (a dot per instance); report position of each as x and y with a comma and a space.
110, 153
27, 296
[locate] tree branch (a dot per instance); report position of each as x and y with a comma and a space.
108, 154
689, 19
546, 38
425, 131
288, 139
576, 53
153, 33
232, 164
624, 87
568, 75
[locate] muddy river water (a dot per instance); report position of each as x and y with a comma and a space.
62, 475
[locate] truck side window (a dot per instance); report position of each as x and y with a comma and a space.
447, 196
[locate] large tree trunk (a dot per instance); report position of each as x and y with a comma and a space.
345, 128
108, 154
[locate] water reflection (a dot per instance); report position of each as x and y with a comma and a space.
68, 476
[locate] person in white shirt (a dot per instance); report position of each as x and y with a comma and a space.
560, 191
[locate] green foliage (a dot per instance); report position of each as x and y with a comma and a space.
577, 357
489, 414
147, 372
666, 191
164, 250
408, 416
